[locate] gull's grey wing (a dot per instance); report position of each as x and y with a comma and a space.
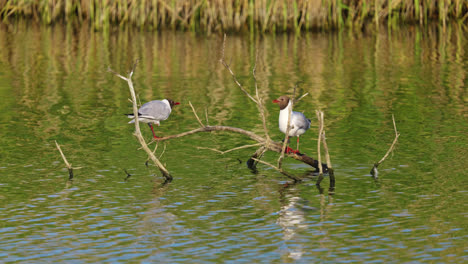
156, 110
300, 120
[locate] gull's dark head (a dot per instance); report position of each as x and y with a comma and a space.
282, 101
172, 103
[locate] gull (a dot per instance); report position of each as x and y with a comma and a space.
299, 123
154, 111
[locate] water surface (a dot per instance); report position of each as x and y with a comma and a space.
54, 86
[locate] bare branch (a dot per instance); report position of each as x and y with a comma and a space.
325, 148
164, 150
251, 163
374, 170
128, 174
69, 166
195, 113
116, 74
267, 144
300, 98
223, 62
133, 68
216, 128
260, 105
155, 147
206, 116
137, 133
233, 149
296, 179
331, 172
319, 113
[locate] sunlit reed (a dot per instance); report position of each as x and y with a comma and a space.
237, 15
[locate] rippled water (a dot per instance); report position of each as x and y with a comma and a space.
54, 86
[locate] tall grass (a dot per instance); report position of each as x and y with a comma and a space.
237, 15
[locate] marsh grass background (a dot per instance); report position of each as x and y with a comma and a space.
237, 15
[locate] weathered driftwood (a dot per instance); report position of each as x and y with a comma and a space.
128, 174
137, 133
374, 170
319, 141
331, 172
263, 142
69, 166
268, 144
322, 140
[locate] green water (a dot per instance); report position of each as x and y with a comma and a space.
54, 86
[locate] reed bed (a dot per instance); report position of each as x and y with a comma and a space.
237, 15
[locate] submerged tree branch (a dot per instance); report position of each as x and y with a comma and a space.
319, 141
296, 179
69, 166
374, 170
233, 149
137, 133
265, 142
331, 172
223, 62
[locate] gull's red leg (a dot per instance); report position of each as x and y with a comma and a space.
152, 130
297, 146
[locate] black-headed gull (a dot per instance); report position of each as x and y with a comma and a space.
154, 111
299, 124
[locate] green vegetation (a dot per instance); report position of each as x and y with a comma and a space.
237, 15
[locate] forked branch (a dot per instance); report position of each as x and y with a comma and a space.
319, 143
322, 140
265, 143
69, 166
374, 170
137, 133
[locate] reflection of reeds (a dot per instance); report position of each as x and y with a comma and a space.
61, 69
220, 15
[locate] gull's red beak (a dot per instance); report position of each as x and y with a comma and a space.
176, 103
275, 101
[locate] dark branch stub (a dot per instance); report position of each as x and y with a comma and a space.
374, 172
70, 174
128, 175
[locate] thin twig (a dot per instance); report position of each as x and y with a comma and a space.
233, 149
196, 116
260, 105
128, 175
300, 98
206, 116
296, 179
154, 151
374, 170
164, 150
318, 146
116, 74
156, 147
251, 163
216, 128
258, 100
331, 173
325, 148
223, 62
69, 166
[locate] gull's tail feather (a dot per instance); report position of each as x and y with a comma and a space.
131, 116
